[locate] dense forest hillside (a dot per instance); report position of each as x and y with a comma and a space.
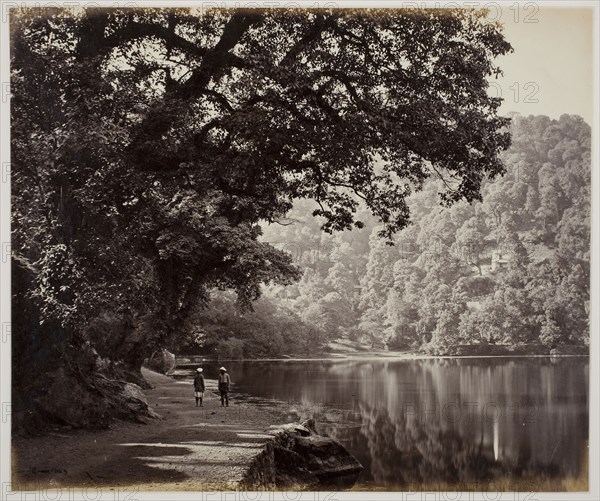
510, 272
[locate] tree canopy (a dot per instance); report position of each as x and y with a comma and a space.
176, 133
148, 145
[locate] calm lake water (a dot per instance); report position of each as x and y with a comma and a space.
449, 421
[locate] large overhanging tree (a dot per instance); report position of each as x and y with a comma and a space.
149, 144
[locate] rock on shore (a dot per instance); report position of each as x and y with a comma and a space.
301, 459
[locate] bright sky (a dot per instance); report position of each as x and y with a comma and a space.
552, 62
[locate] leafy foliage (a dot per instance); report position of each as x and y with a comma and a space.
149, 144
504, 272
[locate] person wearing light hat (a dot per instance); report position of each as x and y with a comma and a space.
199, 386
224, 382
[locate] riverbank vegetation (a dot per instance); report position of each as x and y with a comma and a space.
509, 274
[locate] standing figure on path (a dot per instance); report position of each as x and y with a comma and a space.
199, 386
224, 382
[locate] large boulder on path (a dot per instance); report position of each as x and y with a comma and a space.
135, 400
163, 362
91, 400
72, 401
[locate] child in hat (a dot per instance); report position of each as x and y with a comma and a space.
199, 386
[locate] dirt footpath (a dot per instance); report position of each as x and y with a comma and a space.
188, 448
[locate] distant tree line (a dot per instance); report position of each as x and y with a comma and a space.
510, 271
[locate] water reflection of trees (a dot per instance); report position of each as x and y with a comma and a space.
535, 425
404, 453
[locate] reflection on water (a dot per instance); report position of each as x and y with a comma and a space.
443, 420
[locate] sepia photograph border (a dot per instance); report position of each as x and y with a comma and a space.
5, 291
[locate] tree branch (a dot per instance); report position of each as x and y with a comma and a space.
135, 30
311, 34
218, 57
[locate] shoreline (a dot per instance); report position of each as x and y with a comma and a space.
186, 448
185, 360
